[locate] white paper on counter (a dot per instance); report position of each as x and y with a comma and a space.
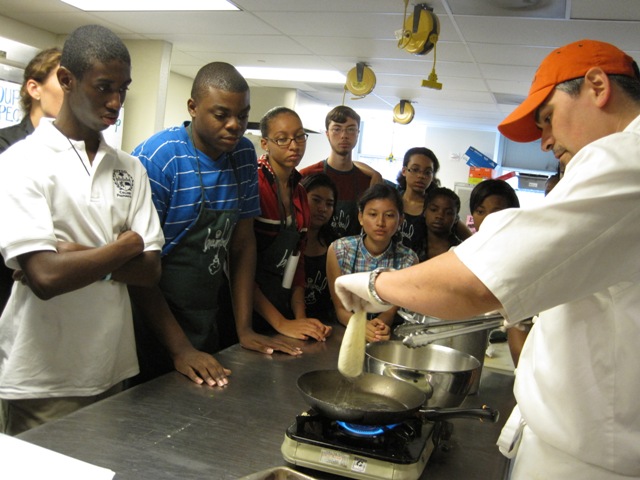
20, 460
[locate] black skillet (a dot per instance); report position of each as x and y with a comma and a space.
373, 399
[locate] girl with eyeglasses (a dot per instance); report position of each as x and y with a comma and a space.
419, 168
281, 231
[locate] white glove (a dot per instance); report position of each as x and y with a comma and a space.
353, 291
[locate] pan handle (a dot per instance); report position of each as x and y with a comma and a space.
485, 413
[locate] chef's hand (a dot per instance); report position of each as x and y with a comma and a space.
201, 367
377, 331
264, 344
304, 328
353, 291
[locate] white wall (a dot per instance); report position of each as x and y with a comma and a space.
264, 99
146, 100
178, 93
450, 144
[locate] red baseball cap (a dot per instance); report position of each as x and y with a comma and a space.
564, 63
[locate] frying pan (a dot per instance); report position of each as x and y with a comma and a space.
372, 399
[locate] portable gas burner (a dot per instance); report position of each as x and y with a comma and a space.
397, 451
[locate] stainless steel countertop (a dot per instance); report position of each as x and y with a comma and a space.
170, 428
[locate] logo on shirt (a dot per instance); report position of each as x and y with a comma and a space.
407, 230
341, 222
123, 182
314, 288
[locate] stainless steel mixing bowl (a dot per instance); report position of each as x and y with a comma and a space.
444, 374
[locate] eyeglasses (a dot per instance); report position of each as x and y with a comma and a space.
420, 173
285, 142
339, 130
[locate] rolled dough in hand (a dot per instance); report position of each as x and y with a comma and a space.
352, 349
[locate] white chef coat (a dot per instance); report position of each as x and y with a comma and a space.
576, 259
80, 343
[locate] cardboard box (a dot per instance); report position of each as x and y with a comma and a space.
474, 180
474, 158
480, 172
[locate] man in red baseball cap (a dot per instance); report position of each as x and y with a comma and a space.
573, 260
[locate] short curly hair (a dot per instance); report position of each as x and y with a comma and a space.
219, 75
90, 44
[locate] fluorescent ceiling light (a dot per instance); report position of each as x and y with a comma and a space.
151, 5
293, 74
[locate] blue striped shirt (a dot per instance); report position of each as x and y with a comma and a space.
170, 159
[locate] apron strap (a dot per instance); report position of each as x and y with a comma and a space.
511, 434
292, 207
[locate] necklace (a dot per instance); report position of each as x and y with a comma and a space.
74, 148
78, 154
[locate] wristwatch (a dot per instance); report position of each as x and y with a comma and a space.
373, 295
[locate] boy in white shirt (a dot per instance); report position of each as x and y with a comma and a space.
78, 227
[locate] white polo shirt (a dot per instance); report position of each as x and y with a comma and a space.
79, 343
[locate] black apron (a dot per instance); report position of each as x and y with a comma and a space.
192, 276
414, 234
271, 264
345, 214
317, 298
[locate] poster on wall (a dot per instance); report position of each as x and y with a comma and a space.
10, 112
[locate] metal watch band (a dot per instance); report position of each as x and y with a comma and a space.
372, 285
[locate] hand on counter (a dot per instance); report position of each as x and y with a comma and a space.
377, 330
263, 344
201, 367
304, 329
